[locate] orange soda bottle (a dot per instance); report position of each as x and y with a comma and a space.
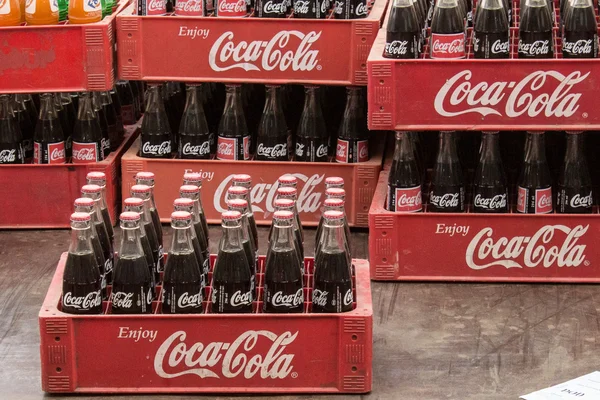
41, 12
10, 13
84, 11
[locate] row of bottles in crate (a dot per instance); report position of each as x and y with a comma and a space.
52, 12
267, 123
69, 127
141, 275
538, 187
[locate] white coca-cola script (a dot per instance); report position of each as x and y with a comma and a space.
545, 201
397, 47
223, 359
348, 298
321, 151
547, 93
301, 7
543, 248
84, 153
240, 299
157, 149
490, 203
279, 150
271, 7
578, 201
288, 300
225, 149
90, 300
361, 9
445, 200
499, 46
268, 55
320, 297
197, 150
157, 5
122, 299
578, 47
57, 154
539, 47
456, 46
187, 300
8, 156
229, 7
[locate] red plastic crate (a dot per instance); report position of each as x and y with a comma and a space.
302, 353
481, 247
41, 196
329, 52
469, 94
360, 181
58, 58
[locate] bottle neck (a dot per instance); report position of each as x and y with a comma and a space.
191, 100
232, 236
195, 205
537, 148
86, 110
155, 102
333, 236
490, 147
131, 245
283, 236
273, 101
140, 211
404, 147
182, 240
574, 152
47, 110
81, 238
447, 148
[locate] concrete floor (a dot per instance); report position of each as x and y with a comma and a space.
431, 340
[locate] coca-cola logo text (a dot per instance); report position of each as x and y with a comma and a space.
196, 150
490, 203
122, 299
231, 7
446, 200
409, 199
348, 298
220, 359
187, 300
320, 297
448, 45
579, 201
361, 9
288, 300
537, 48
301, 7
188, 7
582, 46
87, 302
156, 6
279, 150
57, 154
157, 149
538, 249
274, 54
272, 7
531, 96
240, 299
397, 47
226, 149
499, 47
8, 156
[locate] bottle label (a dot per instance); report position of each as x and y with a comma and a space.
311, 149
30, 6
85, 153
189, 8
341, 9
182, 298
536, 45
128, 114
283, 301
88, 302
272, 8
490, 45
232, 8
447, 200
156, 150
54, 6
492, 203
131, 299
278, 152
51, 153
360, 9
536, 201
154, 7
92, 6
580, 45
574, 200
448, 46
4, 7
352, 151
227, 148
11, 153
405, 199
190, 148
332, 297
311, 9
233, 297
402, 45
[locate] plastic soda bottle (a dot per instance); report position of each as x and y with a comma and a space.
41, 12
10, 13
84, 11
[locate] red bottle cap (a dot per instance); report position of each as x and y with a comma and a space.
96, 175
333, 214
287, 180
242, 178
335, 192
334, 180
130, 216
181, 216
287, 191
84, 202
237, 190
144, 175
192, 177
183, 202
133, 202
189, 189
231, 215
333, 202
284, 215
91, 189
80, 217
140, 189
237, 203
284, 203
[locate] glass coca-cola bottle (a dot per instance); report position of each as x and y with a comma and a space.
48, 140
30, 106
195, 179
448, 30
132, 284
201, 252
240, 192
127, 101
147, 178
334, 182
233, 142
535, 30
26, 125
94, 192
134, 204
87, 134
491, 30
288, 205
231, 280
272, 143
143, 192
193, 193
447, 191
332, 204
353, 134
283, 287
115, 131
81, 288
194, 135
156, 131
574, 182
332, 289
183, 283
312, 139
403, 31
103, 121
99, 178
580, 39
404, 181
534, 188
11, 140
490, 191
240, 206
116, 101
65, 123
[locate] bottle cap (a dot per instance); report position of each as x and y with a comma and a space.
192, 177
140, 189
133, 202
243, 178
84, 202
130, 216
181, 202
80, 217
334, 180
91, 189
287, 191
334, 202
237, 190
333, 215
96, 175
284, 215
335, 193
189, 189
231, 215
284, 203
237, 203
145, 175
181, 216
288, 180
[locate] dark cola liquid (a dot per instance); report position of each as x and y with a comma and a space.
67, 129
154, 246
491, 45
272, 148
490, 199
81, 290
203, 245
157, 225
251, 262
150, 263
100, 262
231, 285
253, 230
200, 256
105, 132
183, 285
132, 287
194, 146
574, 200
283, 289
311, 9
27, 130
535, 33
12, 153
312, 149
107, 250
111, 119
580, 38
108, 224
402, 34
332, 292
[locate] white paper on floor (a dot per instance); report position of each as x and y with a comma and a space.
585, 387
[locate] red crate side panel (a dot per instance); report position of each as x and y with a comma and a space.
129, 57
